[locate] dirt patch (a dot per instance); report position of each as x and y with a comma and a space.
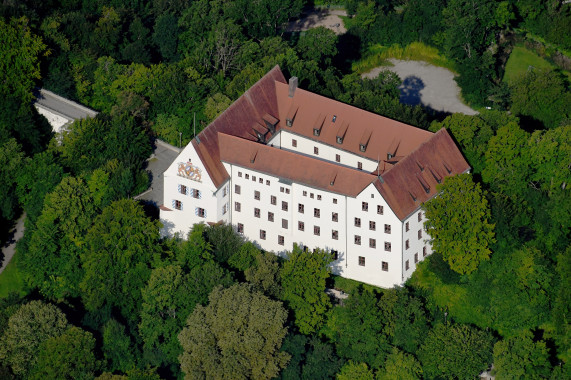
319, 17
432, 87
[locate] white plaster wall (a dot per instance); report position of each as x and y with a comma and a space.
55, 120
372, 272
416, 245
326, 152
182, 220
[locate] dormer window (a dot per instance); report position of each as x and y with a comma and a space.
389, 156
316, 132
339, 140
362, 147
289, 123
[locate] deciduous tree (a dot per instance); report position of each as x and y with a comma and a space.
457, 221
237, 335
519, 357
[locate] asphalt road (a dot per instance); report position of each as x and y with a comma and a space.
162, 157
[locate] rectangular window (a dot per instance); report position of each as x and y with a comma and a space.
334, 254
338, 158
316, 212
284, 206
262, 234
335, 217
267, 182
406, 244
224, 191
237, 206
273, 200
182, 189
178, 205
357, 222
316, 230
247, 176
406, 227
380, 210
365, 206
315, 150
318, 197
240, 174
406, 265
284, 223
357, 240
361, 261
387, 228
416, 258
294, 143
287, 190
254, 178
335, 235
372, 243
224, 209
360, 165
281, 189
257, 195
195, 193
237, 189
419, 234
270, 216
301, 226
311, 195
300, 208
334, 201
280, 240
387, 246
385, 266
424, 251
200, 212
372, 225
304, 193
420, 216
240, 228
261, 180
257, 212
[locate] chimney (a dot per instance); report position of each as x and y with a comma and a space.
292, 86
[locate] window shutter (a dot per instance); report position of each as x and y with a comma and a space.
205, 214
173, 204
181, 206
199, 194
196, 211
180, 188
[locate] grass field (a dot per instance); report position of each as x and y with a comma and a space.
519, 62
377, 55
11, 280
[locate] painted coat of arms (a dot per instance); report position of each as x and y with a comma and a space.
190, 171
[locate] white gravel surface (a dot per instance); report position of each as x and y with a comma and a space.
426, 84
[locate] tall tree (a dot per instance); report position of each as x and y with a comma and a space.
457, 221
456, 351
237, 335
20, 50
519, 357
400, 366
117, 255
303, 280
33, 324
68, 356
11, 162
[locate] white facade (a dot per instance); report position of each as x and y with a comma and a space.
368, 239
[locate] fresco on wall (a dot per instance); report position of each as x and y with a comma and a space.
189, 171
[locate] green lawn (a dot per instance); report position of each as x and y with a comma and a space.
11, 280
519, 62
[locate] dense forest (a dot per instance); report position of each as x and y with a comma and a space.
104, 296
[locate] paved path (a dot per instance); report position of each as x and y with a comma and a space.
433, 87
63, 106
162, 157
9, 249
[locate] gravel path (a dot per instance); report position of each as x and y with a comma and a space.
328, 18
433, 87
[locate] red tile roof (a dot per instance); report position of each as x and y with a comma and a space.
292, 166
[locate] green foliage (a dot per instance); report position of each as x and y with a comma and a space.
245, 257
520, 61
117, 347
355, 371
11, 162
543, 95
455, 351
265, 275
457, 221
320, 361
303, 278
519, 357
400, 366
29, 327
562, 305
318, 45
225, 241
165, 35
119, 249
356, 328
215, 105
19, 63
69, 355
237, 335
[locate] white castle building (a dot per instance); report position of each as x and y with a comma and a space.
285, 166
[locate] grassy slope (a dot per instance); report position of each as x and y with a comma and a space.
11, 280
519, 62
